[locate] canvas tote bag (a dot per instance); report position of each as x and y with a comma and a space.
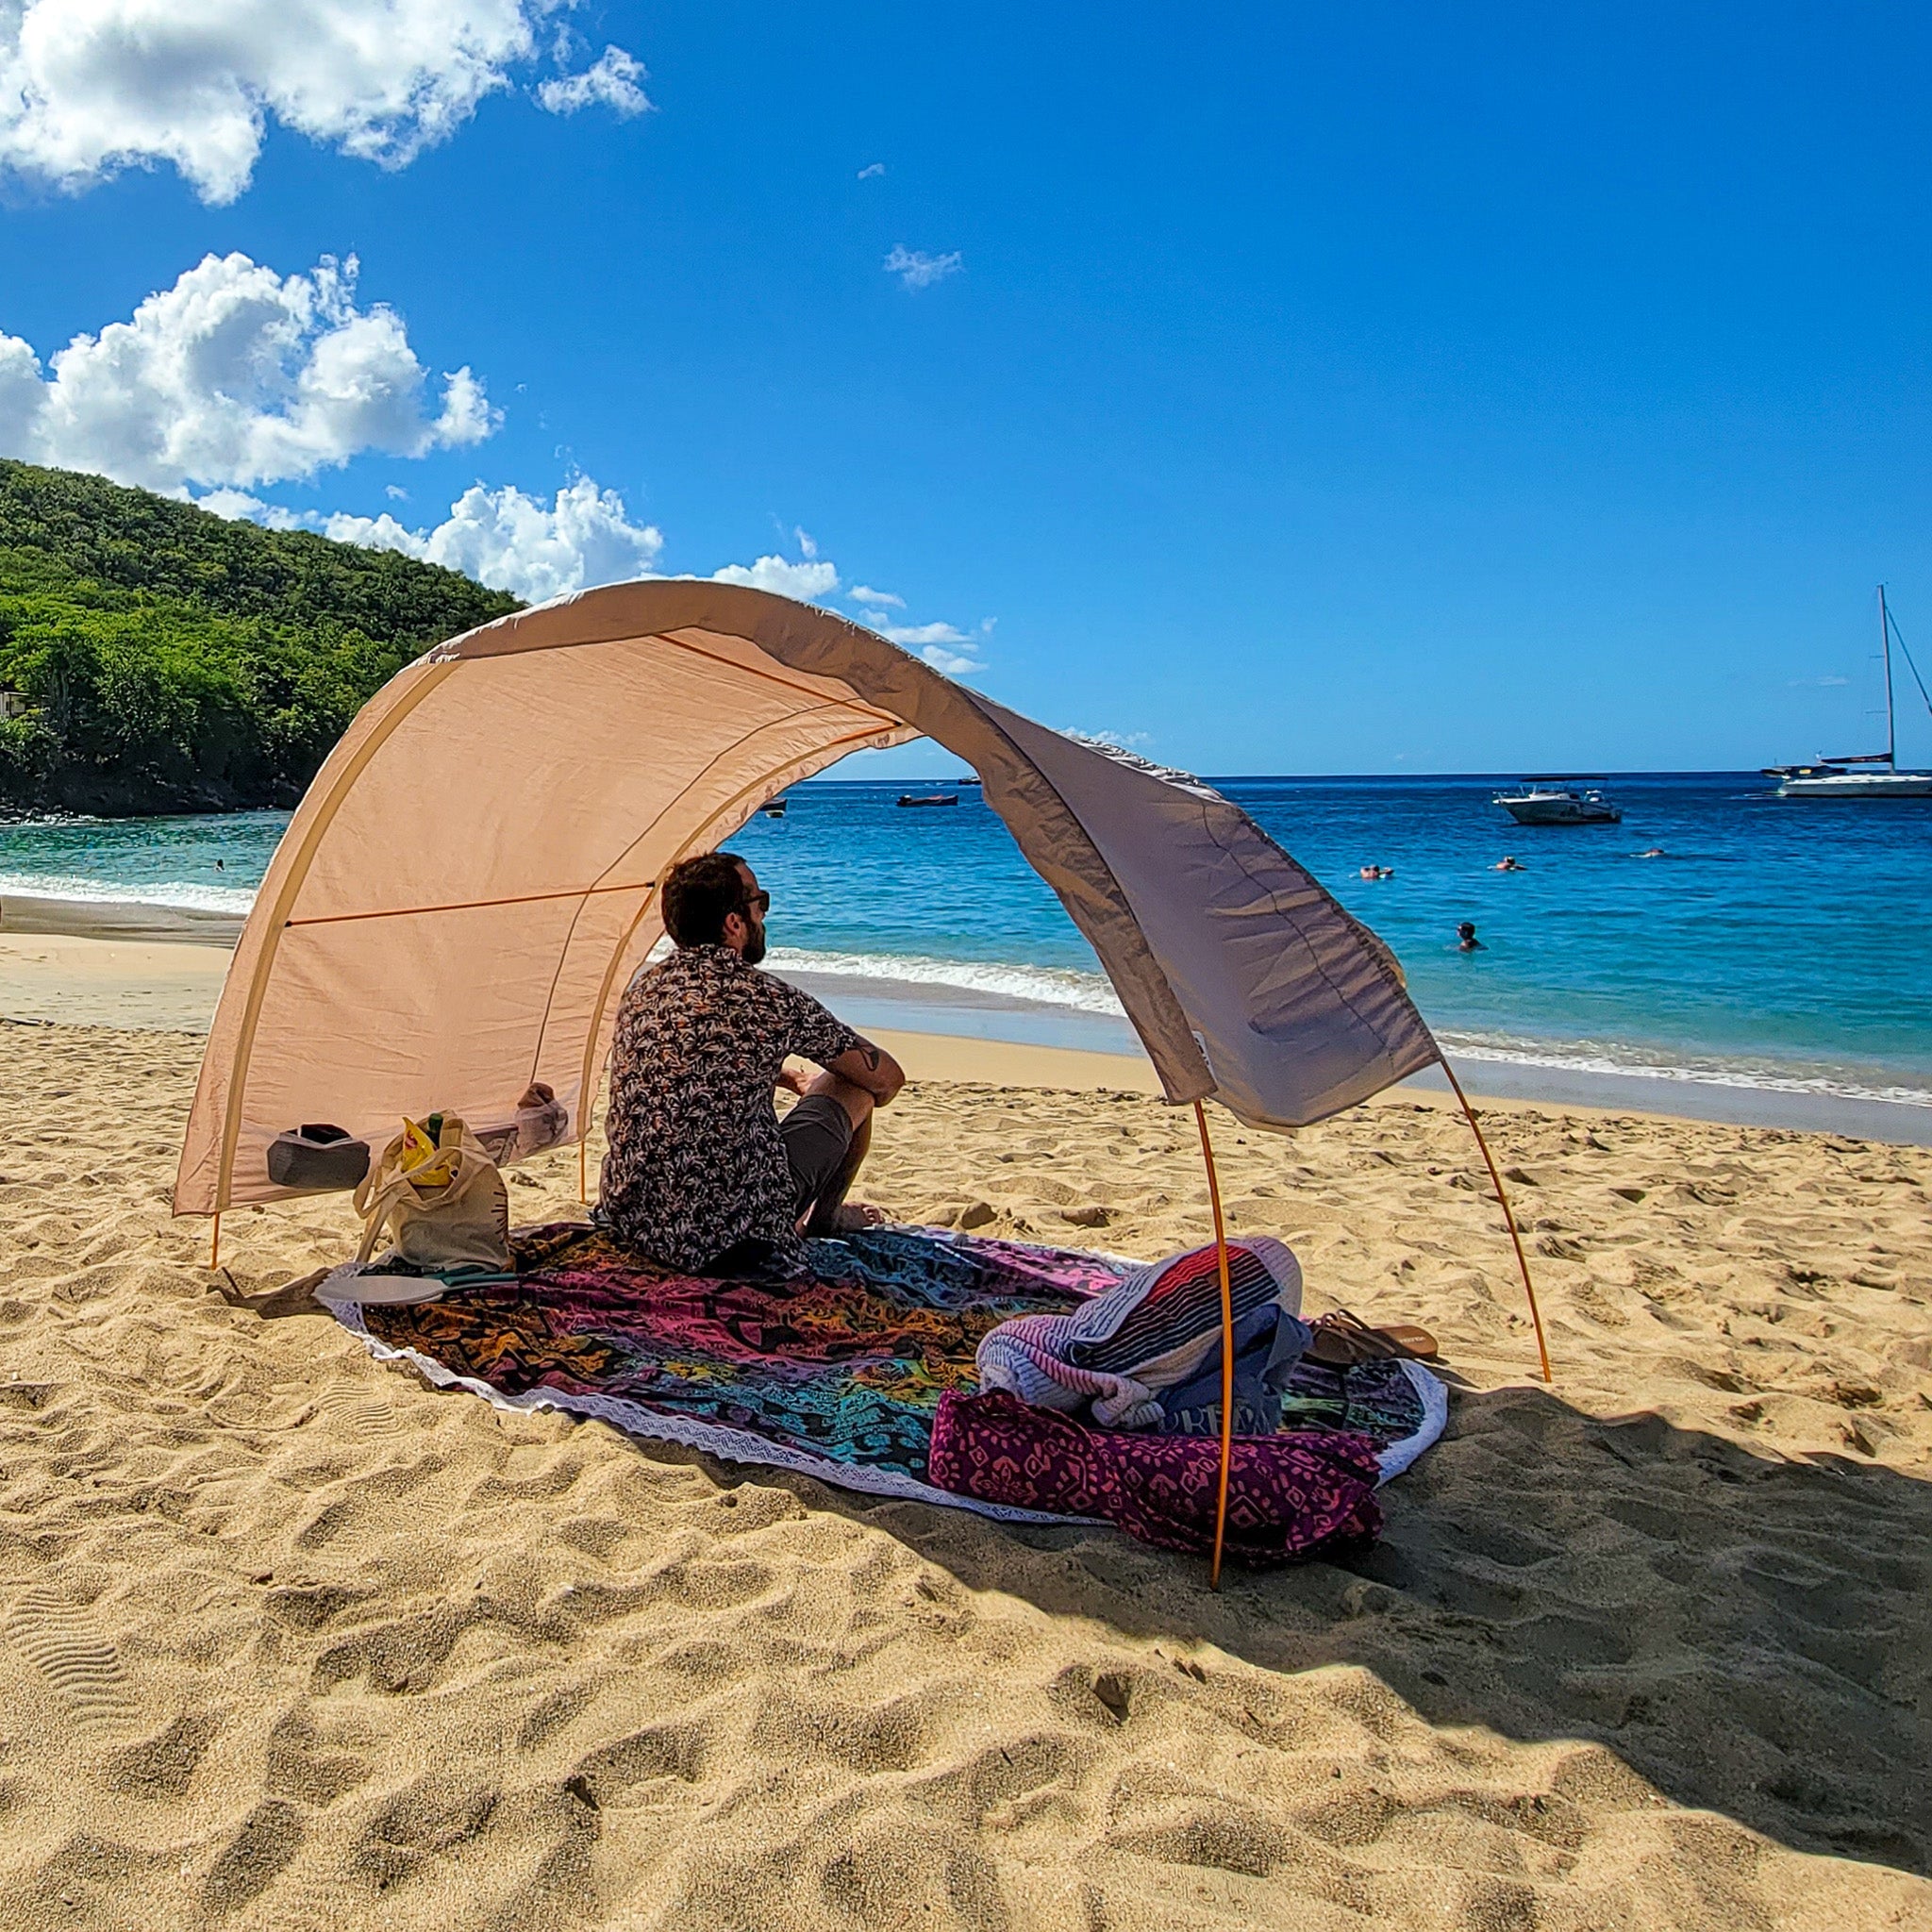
440, 1196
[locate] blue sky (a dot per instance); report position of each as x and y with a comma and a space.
1404, 388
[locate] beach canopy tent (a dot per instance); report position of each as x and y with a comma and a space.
471, 881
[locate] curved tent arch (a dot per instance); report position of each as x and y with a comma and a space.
472, 874
470, 880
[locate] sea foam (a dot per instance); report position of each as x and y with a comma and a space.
180, 894
1047, 986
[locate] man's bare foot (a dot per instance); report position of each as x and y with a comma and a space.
854, 1215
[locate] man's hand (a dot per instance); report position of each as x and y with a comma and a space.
872, 1067
792, 1081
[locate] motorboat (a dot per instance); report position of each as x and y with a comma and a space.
1556, 802
774, 808
1867, 773
929, 798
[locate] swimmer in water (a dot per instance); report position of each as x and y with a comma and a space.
1466, 940
1378, 872
1508, 863
1655, 852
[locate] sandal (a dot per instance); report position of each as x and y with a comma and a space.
1343, 1338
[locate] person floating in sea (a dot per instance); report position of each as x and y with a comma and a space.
1378, 872
1655, 852
1466, 940
1509, 863
702, 1174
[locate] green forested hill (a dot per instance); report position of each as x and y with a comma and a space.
170, 661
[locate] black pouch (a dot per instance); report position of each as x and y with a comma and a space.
318, 1158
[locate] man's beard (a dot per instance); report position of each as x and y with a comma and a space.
753, 946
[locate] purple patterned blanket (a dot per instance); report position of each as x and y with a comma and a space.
838, 1376
1287, 1494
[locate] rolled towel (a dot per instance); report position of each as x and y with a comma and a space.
1152, 1332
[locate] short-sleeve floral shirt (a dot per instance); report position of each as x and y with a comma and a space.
697, 1163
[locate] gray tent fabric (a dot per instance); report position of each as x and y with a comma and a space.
470, 879
1299, 1009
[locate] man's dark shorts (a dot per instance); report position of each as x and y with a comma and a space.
818, 1135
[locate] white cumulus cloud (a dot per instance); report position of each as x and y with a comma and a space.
815, 579
917, 635
537, 550
811, 579
90, 87
615, 82
952, 663
236, 375
1107, 740
917, 270
516, 542
935, 643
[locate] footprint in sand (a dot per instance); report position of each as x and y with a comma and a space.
65, 1645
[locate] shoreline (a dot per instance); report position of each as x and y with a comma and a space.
128, 964
118, 919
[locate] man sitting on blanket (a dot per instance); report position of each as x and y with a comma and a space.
702, 1174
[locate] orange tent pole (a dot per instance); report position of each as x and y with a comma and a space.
215, 1253
1542, 1347
1226, 1345
584, 1168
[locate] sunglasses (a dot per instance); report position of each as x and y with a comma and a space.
758, 902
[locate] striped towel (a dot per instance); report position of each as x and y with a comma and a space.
1152, 1332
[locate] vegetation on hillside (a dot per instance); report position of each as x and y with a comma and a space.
169, 661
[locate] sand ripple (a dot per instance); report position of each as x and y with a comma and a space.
289, 1641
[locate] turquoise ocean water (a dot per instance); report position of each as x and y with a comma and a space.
1779, 945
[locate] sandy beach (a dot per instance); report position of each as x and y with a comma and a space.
291, 1639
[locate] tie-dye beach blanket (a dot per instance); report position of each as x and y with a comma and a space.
838, 1375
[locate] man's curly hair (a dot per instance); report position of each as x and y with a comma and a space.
700, 893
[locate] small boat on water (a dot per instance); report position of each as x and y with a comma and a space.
774, 808
1556, 802
1830, 779
1864, 773
929, 798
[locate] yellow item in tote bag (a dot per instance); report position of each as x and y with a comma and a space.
440, 1196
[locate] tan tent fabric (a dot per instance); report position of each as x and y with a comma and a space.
469, 884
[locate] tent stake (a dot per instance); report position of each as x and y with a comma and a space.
215, 1252
1226, 1345
1542, 1347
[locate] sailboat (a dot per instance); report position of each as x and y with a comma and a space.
1867, 773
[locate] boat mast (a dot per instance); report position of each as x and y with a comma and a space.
1891, 729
